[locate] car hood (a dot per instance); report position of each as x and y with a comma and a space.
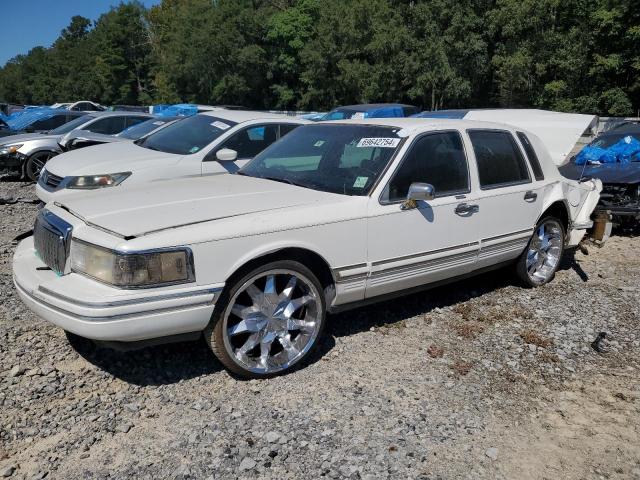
160, 205
608, 172
25, 137
107, 158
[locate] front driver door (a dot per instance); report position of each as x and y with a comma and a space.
434, 241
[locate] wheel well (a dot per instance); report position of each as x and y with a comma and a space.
308, 258
559, 210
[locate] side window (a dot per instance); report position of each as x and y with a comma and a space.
250, 141
131, 121
107, 125
286, 128
49, 123
531, 155
438, 159
500, 162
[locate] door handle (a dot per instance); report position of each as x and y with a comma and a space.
530, 196
464, 209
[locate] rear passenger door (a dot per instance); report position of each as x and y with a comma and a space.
509, 197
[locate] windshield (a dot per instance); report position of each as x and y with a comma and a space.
342, 114
344, 159
187, 136
141, 129
72, 125
608, 140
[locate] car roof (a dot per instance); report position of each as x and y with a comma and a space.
363, 107
240, 116
118, 113
416, 125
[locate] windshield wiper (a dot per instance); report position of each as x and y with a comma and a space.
286, 180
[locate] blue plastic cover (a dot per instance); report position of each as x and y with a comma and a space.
177, 110
22, 119
625, 150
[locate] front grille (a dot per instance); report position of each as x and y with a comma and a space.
50, 180
51, 238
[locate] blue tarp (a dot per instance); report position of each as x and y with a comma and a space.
23, 118
177, 110
625, 150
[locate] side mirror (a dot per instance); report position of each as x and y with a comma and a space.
421, 191
226, 155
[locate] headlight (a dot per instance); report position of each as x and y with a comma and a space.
88, 182
156, 268
9, 149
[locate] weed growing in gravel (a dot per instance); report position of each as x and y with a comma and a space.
529, 336
467, 330
434, 351
465, 310
462, 368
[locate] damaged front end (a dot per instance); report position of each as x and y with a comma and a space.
582, 198
622, 202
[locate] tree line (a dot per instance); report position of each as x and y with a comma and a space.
567, 55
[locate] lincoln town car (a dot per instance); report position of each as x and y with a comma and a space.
332, 216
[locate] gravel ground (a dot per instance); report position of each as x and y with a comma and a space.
480, 379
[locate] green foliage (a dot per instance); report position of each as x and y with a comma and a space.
568, 55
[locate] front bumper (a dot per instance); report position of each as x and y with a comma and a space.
100, 312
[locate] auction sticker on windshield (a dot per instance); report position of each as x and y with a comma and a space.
360, 182
220, 125
378, 142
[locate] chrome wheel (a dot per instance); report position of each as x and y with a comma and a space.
272, 321
545, 250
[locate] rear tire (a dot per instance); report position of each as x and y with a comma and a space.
539, 262
268, 322
35, 164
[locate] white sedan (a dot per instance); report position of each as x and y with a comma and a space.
213, 142
332, 216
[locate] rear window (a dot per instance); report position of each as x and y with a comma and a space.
49, 123
532, 156
500, 162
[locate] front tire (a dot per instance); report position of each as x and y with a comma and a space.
539, 262
268, 322
35, 164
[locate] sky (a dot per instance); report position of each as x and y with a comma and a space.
31, 23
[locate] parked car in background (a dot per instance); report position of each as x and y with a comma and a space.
37, 120
334, 215
614, 158
80, 106
370, 110
81, 138
28, 153
215, 142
